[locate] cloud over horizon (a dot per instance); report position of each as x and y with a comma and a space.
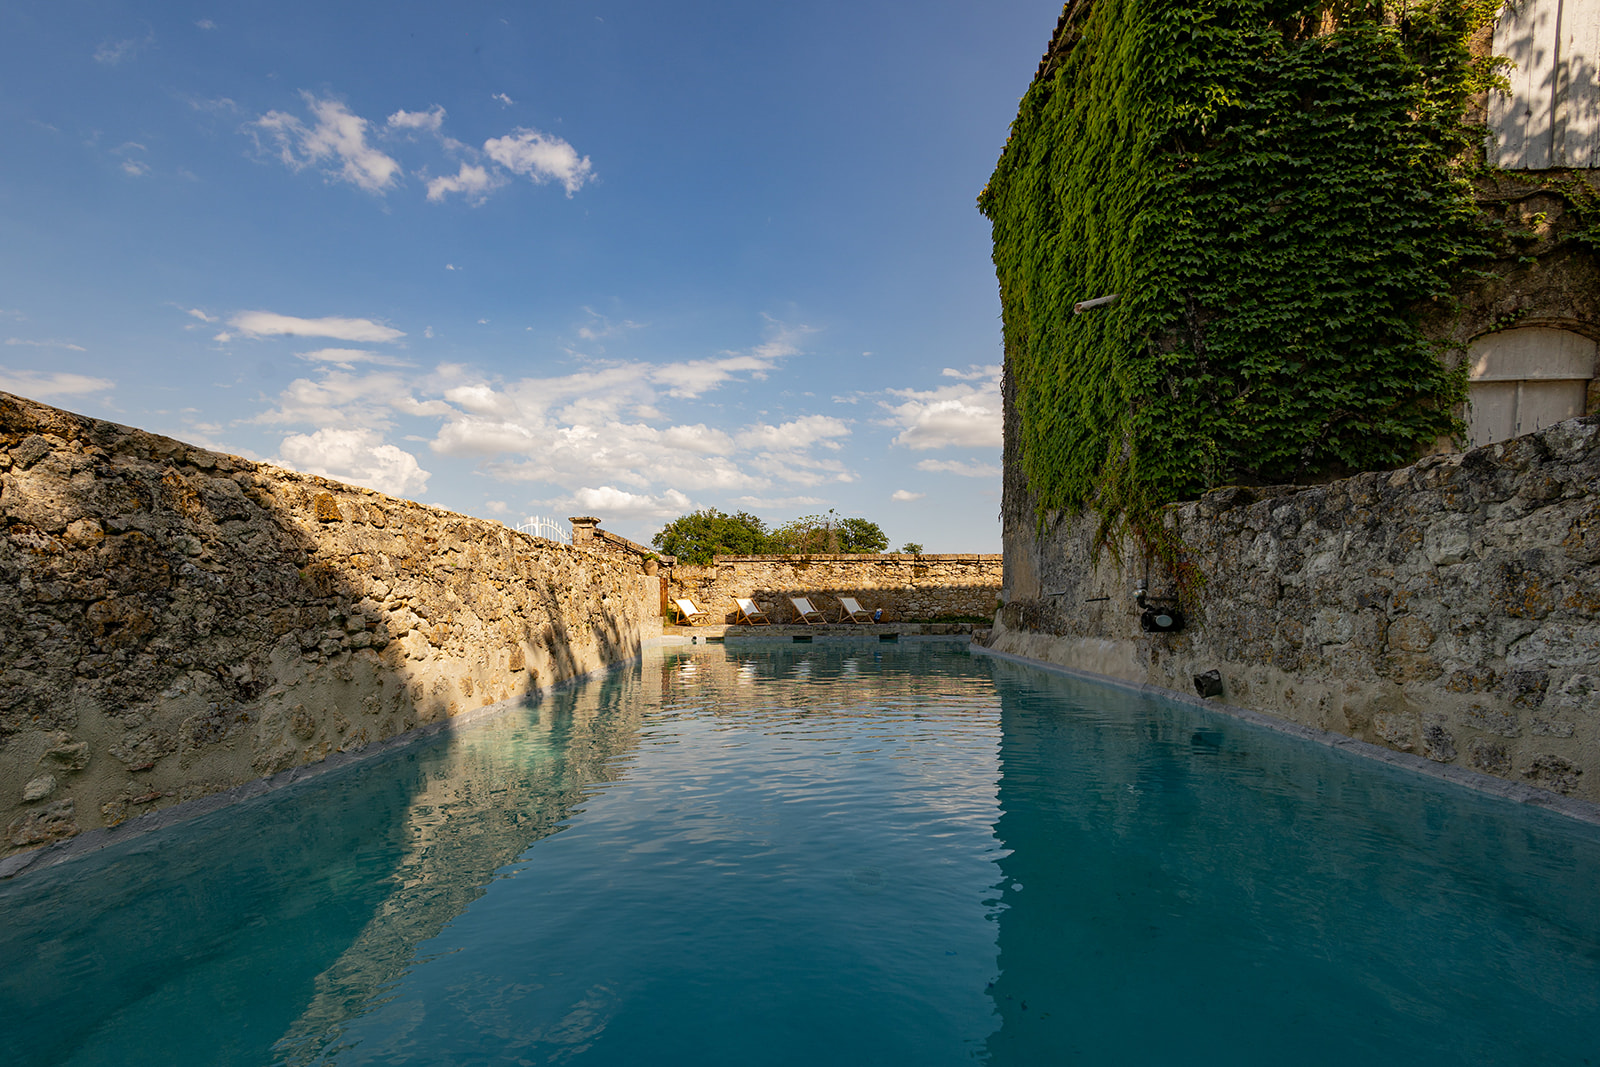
966, 415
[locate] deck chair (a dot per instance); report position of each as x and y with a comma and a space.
850, 609
807, 613
688, 612
753, 615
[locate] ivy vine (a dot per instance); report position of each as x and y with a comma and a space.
1275, 190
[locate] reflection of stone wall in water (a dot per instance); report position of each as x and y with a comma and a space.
478, 807
180, 621
906, 587
328, 889
1449, 609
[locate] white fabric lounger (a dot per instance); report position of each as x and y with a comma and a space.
752, 614
850, 609
688, 611
807, 613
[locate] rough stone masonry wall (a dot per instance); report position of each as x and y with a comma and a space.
906, 587
176, 622
1450, 608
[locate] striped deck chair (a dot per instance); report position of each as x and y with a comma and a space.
807, 613
753, 615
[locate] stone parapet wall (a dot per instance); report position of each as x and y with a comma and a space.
907, 587
178, 622
1449, 609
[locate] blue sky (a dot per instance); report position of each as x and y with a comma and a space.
561, 257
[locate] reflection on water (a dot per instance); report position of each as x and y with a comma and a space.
1184, 888
283, 917
836, 854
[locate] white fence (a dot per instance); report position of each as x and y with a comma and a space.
549, 529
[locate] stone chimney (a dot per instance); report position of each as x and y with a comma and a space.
583, 530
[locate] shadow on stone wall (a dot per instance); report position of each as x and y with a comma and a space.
179, 621
907, 588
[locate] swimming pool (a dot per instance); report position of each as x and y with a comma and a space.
832, 854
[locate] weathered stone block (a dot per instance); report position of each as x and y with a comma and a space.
1553, 772
140, 749
326, 508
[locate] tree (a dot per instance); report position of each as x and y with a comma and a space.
818, 534
862, 535
696, 537
911, 547
807, 535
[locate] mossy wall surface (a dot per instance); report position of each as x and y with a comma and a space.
1278, 193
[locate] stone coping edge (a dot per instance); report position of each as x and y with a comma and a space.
94, 840
840, 637
1573, 808
860, 557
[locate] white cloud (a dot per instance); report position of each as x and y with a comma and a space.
966, 415
45, 344
201, 315
429, 120
798, 433
696, 376
599, 328
341, 399
476, 182
338, 136
977, 372
904, 496
345, 357
541, 158
40, 385
135, 168
597, 430
113, 52
768, 503
618, 504
505, 101
356, 456
496, 507
206, 24
955, 466
268, 323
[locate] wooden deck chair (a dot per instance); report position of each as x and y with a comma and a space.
807, 613
753, 615
850, 609
688, 612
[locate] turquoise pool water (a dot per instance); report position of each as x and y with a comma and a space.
825, 854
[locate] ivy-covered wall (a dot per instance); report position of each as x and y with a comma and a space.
1280, 193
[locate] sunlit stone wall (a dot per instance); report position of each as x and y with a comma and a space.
177, 622
906, 587
1450, 608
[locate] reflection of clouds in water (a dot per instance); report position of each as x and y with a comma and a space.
802, 670
747, 672
850, 669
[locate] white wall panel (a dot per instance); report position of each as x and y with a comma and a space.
1552, 116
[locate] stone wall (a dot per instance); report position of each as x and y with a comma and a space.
906, 587
1450, 608
178, 622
